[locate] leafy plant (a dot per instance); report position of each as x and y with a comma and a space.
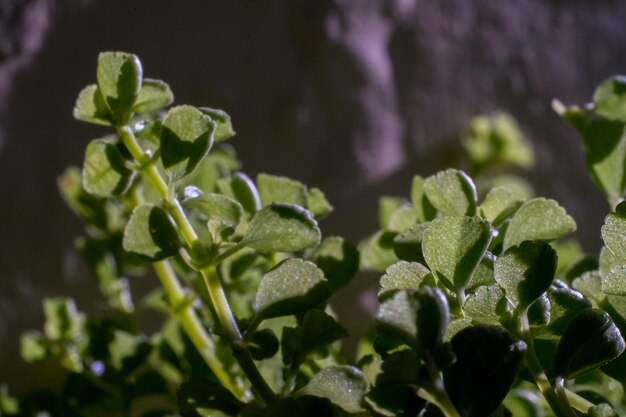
485, 309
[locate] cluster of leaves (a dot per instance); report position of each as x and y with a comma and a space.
484, 309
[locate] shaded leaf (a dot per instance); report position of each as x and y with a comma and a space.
344, 386
208, 395
499, 204
224, 129
610, 98
423, 208
153, 95
386, 207
402, 276
538, 219
565, 303
104, 171
241, 188
451, 192
397, 316
377, 251
90, 107
525, 272
119, 77
293, 286
407, 245
274, 189
263, 344
589, 284
282, 227
483, 305
317, 203
338, 258
590, 341
150, 233
186, 137
217, 207
454, 246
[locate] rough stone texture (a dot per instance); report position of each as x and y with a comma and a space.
352, 96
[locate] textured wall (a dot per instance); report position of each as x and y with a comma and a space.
352, 96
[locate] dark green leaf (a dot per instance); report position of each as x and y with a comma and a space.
154, 95
539, 312
186, 137
338, 258
344, 386
565, 303
453, 248
590, 341
303, 406
433, 317
488, 358
293, 286
206, 394
263, 344
610, 98
397, 316
90, 107
402, 276
104, 171
282, 227
407, 245
150, 233
241, 188
525, 272
224, 129
538, 219
423, 208
451, 192
119, 78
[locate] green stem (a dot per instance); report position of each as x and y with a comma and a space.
579, 403
190, 322
536, 369
437, 394
200, 256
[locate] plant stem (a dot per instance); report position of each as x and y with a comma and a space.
437, 395
560, 408
200, 256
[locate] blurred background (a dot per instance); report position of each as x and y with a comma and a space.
352, 96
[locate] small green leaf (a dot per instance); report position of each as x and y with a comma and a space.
90, 107
525, 272
119, 77
343, 385
377, 251
104, 171
153, 95
610, 98
565, 303
33, 347
241, 188
589, 284
318, 204
397, 316
454, 246
538, 219
273, 189
150, 233
613, 232
452, 193
407, 245
433, 317
484, 304
402, 218
590, 341
224, 128
402, 276
338, 258
488, 358
263, 344
293, 286
539, 312
423, 208
186, 137
614, 282
282, 227
386, 206
499, 204
217, 207
316, 331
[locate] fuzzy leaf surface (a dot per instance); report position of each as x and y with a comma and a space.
451, 192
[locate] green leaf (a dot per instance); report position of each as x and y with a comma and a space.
90, 107
282, 227
119, 77
484, 304
293, 286
186, 137
153, 95
150, 233
453, 248
397, 316
33, 347
318, 204
451, 192
488, 358
316, 331
402, 276
614, 282
590, 341
407, 245
263, 344
613, 232
402, 218
338, 258
344, 386
423, 208
565, 303
377, 251
589, 284
217, 207
63, 321
538, 219
104, 171
433, 317
602, 410
610, 98
273, 189
224, 128
499, 204
525, 272
241, 188
386, 206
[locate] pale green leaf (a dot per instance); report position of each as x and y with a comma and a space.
217, 207
90, 107
274, 189
150, 233
451, 192
318, 204
610, 98
104, 171
377, 251
483, 305
119, 77
614, 232
499, 204
153, 95
224, 128
424, 210
614, 282
402, 276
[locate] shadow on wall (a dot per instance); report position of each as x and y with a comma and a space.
352, 97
